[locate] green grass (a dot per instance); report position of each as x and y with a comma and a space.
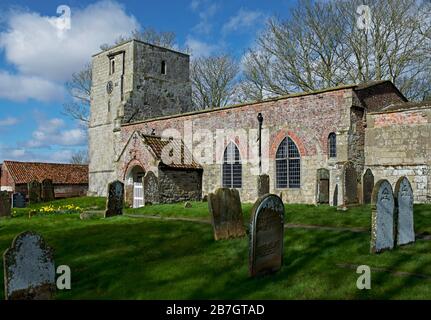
135, 258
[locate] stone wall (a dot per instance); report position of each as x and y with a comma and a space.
326, 112
179, 185
398, 143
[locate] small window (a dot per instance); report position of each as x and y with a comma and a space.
232, 168
332, 145
163, 67
111, 66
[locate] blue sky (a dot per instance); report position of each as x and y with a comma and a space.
37, 57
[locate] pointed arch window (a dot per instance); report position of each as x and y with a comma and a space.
288, 165
332, 145
232, 168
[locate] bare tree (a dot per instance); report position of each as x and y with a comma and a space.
321, 45
164, 39
79, 89
80, 157
213, 81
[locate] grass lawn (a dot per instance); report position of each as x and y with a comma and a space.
136, 258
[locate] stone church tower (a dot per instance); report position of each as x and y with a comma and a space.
131, 82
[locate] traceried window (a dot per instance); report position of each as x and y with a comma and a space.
332, 145
232, 168
288, 165
163, 67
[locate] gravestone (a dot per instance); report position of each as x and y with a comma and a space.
322, 185
368, 185
405, 232
114, 203
382, 221
18, 200
335, 198
266, 235
262, 184
5, 204
226, 214
34, 191
29, 269
47, 190
350, 184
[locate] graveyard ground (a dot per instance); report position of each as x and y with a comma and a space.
136, 257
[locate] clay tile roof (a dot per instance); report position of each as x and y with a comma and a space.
157, 144
24, 172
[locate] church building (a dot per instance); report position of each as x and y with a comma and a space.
326, 146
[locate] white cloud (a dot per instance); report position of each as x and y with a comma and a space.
199, 48
46, 58
50, 133
205, 26
9, 121
17, 87
243, 19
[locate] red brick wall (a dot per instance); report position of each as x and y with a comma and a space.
6, 179
399, 118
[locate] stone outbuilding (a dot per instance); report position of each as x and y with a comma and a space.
69, 180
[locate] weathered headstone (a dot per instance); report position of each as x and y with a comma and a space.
47, 190
29, 269
405, 232
266, 235
262, 185
114, 203
5, 206
18, 200
350, 184
382, 221
34, 191
226, 213
367, 186
322, 185
335, 198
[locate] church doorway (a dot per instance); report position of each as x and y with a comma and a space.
135, 187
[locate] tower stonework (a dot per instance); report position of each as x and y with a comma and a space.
131, 82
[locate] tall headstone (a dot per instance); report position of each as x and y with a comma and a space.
226, 213
322, 185
405, 232
5, 205
350, 184
47, 190
18, 200
114, 203
262, 185
34, 191
335, 197
266, 235
382, 221
29, 269
367, 186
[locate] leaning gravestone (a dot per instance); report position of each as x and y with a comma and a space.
382, 221
226, 214
34, 191
266, 235
405, 232
114, 204
18, 200
29, 269
47, 190
5, 209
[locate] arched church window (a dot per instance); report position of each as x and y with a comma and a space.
288, 165
232, 168
332, 145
